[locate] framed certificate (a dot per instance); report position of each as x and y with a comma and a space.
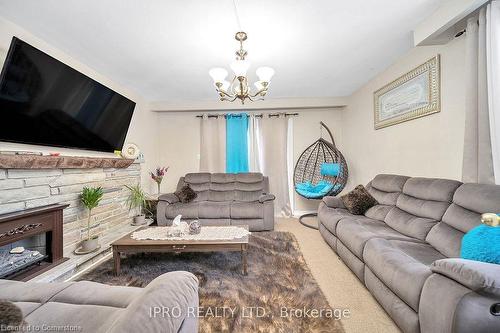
413, 95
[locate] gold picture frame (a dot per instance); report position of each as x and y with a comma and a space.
413, 95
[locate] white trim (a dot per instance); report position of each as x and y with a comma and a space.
90, 267
299, 213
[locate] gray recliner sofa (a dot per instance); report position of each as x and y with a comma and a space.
406, 251
94, 307
222, 199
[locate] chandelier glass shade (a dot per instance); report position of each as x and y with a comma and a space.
237, 87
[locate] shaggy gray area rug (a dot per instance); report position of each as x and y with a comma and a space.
278, 281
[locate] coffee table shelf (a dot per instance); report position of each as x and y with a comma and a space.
127, 244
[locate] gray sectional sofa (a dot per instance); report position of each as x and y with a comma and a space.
93, 307
222, 199
406, 251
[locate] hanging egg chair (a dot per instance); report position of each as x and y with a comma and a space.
320, 171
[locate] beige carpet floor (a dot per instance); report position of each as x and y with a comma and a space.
340, 286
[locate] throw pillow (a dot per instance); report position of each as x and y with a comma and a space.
358, 200
185, 194
11, 316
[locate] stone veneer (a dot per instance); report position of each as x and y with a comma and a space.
28, 188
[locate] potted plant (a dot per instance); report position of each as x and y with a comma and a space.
90, 197
137, 200
157, 176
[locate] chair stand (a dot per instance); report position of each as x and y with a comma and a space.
306, 224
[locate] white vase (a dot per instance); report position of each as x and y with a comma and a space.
89, 245
139, 219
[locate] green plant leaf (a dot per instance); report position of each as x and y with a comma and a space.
91, 196
137, 197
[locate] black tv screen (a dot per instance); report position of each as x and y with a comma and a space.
45, 102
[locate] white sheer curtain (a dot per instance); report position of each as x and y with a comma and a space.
213, 144
254, 139
493, 67
477, 159
273, 146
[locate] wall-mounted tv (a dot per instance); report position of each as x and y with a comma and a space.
45, 102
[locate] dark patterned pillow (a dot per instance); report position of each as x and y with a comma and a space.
358, 200
185, 194
11, 316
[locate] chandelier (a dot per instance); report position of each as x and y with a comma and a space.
238, 86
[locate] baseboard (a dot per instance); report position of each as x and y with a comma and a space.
299, 213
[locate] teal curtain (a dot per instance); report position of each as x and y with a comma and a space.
237, 143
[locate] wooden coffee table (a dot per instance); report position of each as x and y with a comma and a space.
127, 244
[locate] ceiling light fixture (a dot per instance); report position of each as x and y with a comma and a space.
238, 87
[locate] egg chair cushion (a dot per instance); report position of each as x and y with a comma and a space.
330, 169
317, 191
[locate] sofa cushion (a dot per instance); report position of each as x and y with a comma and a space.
247, 196
431, 188
402, 266
93, 293
329, 217
222, 178
249, 177
171, 290
383, 198
421, 205
247, 210
188, 210
222, 186
27, 307
469, 202
389, 183
214, 210
16, 291
409, 224
94, 318
355, 232
220, 195
378, 212
197, 178
385, 189
198, 187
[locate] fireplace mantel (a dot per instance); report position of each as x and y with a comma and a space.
61, 162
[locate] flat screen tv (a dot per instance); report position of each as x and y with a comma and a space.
45, 102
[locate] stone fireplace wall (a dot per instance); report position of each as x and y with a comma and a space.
28, 188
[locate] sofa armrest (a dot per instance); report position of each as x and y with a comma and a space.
333, 202
266, 197
169, 197
167, 304
475, 275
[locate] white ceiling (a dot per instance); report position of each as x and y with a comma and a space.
163, 49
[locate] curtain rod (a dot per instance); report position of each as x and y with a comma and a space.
239, 115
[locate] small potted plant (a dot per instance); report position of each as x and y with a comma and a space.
90, 197
137, 200
157, 176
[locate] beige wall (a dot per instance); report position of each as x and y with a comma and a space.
180, 142
143, 127
429, 146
